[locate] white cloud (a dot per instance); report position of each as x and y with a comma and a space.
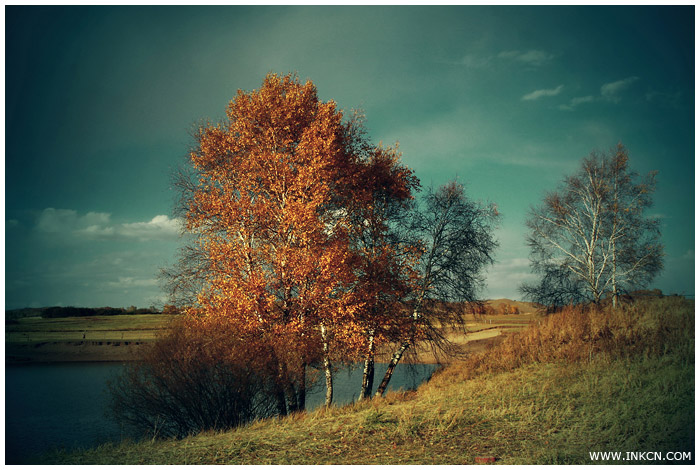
667, 99
98, 225
537, 94
64, 220
473, 61
160, 226
610, 91
577, 101
531, 57
505, 277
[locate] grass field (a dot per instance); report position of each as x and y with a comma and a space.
570, 384
99, 328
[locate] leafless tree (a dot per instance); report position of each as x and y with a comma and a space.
457, 236
591, 238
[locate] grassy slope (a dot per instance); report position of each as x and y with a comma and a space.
572, 384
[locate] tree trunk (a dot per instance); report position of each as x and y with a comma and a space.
368, 371
327, 367
390, 369
301, 392
614, 281
281, 390
281, 401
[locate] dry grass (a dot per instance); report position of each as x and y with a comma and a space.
579, 335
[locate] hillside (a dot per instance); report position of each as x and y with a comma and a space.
523, 307
571, 384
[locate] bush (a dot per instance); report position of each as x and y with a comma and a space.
192, 379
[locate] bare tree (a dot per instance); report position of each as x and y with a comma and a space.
458, 241
636, 254
590, 238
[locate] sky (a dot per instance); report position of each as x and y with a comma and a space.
100, 103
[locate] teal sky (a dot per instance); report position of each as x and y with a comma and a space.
99, 103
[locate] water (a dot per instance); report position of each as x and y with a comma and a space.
57, 405
346, 383
51, 406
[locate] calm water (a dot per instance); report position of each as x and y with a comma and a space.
63, 405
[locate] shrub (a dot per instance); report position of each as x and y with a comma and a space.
192, 379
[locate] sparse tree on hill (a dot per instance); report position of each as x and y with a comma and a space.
591, 238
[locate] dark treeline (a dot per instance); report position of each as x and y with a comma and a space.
63, 312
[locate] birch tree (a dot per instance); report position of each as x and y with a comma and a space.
386, 269
457, 241
259, 209
276, 203
590, 238
633, 238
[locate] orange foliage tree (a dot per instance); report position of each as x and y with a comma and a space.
279, 195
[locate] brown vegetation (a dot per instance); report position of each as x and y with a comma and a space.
585, 333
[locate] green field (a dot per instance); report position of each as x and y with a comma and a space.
570, 384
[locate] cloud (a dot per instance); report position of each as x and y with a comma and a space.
160, 226
532, 57
610, 91
127, 282
64, 220
666, 99
505, 277
474, 62
577, 101
537, 94
98, 225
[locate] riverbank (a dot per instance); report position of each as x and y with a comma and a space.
570, 385
73, 351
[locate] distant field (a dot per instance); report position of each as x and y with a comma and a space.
87, 338
100, 328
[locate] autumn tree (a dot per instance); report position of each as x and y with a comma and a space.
288, 209
457, 240
591, 237
270, 252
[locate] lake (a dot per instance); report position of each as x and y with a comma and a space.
63, 405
